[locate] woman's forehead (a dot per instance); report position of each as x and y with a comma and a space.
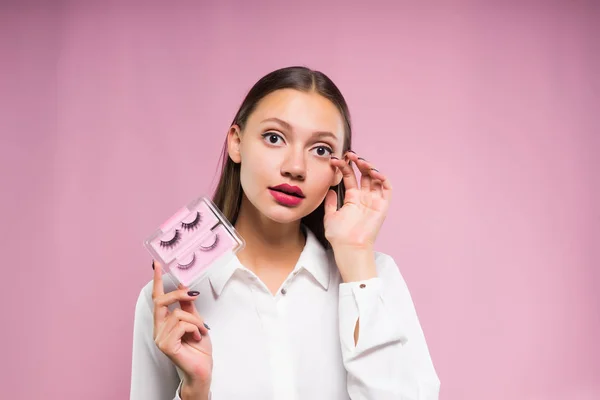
303, 111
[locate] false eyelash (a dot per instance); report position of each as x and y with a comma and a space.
212, 246
172, 242
191, 225
188, 265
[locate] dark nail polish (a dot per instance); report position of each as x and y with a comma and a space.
375, 169
351, 151
360, 158
193, 293
206, 326
153, 265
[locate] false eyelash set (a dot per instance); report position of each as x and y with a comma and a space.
188, 226
196, 239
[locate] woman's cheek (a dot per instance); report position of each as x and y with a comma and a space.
325, 176
250, 176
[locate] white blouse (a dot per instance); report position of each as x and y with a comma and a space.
298, 344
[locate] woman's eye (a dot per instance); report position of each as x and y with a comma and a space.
323, 151
272, 138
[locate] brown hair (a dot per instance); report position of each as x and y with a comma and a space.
228, 194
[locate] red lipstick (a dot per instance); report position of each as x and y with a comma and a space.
287, 195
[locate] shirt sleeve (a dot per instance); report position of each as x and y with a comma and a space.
391, 358
178, 392
153, 375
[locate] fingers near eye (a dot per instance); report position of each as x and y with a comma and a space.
376, 187
364, 166
366, 182
383, 182
349, 177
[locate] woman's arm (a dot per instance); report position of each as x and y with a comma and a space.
390, 359
153, 375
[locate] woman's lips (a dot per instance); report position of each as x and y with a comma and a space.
285, 199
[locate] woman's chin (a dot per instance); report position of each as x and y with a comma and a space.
284, 215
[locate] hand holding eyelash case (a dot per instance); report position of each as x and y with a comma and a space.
196, 239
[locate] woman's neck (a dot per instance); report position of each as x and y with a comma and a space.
268, 243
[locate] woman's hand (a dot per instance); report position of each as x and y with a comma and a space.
365, 207
353, 228
182, 335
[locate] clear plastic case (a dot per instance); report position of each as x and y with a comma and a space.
194, 241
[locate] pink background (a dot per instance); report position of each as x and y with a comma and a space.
485, 116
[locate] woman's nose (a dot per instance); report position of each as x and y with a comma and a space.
294, 166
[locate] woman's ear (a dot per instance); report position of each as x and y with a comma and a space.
234, 141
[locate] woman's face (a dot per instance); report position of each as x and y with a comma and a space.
288, 140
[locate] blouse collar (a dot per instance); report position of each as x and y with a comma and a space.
314, 259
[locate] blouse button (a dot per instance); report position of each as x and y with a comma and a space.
362, 286
283, 291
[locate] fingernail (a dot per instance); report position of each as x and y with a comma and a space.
351, 151
375, 169
193, 293
360, 158
206, 326
152, 264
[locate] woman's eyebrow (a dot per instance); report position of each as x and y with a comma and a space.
286, 125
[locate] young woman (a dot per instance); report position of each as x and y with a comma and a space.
307, 310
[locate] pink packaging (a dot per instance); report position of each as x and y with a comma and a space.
194, 241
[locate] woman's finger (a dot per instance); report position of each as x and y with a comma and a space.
365, 173
162, 303
191, 318
158, 290
157, 287
363, 165
168, 343
376, 187
180, 315
348, 175
188, 306
169, 324
386, 185
175, 296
